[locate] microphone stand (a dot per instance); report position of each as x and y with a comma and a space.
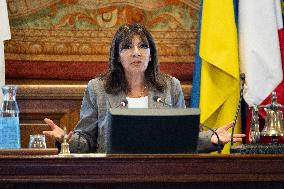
242, 77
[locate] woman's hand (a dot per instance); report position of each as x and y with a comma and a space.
56, 133
225, 135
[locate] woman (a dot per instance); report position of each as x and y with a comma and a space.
134, 75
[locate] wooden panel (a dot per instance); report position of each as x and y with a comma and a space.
143, 171
61, 103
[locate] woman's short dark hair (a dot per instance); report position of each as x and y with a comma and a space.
115, 80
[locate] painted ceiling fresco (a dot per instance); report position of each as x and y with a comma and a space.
82, 29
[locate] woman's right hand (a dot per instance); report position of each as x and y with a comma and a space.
56, 132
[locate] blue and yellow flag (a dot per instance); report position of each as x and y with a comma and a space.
219, 83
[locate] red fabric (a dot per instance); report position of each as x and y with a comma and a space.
80, 70
248, 120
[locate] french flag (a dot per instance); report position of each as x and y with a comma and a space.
261, 51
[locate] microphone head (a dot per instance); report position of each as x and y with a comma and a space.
160, 100
124, 102
156, 98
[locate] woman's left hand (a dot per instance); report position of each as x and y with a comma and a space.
225, 135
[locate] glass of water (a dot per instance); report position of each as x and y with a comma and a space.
37, 141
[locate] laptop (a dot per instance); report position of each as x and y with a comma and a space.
152, 131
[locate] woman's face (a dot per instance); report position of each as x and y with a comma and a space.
135, 56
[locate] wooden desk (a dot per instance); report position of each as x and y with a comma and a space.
142, 171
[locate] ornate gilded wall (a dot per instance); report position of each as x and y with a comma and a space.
70, 39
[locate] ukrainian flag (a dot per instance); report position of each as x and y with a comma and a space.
219, 79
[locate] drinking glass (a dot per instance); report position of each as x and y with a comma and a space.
37, 141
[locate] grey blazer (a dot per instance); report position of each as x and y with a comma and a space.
89, 133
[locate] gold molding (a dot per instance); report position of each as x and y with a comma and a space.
90, 45
64, 92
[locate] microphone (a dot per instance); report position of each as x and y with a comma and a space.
219, 147
242, 78
159, 100
123, 103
